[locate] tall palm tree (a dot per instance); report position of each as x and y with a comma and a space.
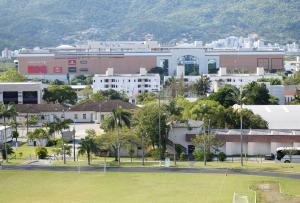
6, 112
174, 115
119, 119
88, 145
58, 126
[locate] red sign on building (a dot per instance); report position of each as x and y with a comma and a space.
72, 62
37, 69
57, 69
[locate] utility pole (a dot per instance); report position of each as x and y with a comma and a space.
74, 154
159, 130
143, 156
241, 124
204, 136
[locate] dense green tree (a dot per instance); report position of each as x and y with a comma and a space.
208, 110
257, 94
82, 79
144, 97
12, 76
227, 96
63, 94
146, 121
201, 86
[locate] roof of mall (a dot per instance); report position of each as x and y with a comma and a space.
278, 116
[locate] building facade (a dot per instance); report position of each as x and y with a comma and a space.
130, 84
126, 58
21, 93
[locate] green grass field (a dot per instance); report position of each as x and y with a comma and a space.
33, 186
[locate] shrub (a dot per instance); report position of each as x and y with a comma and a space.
182, 156
52, 142
155, 154
199, 155
222, 156
41, 152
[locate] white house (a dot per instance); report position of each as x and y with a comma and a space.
5, 137
130, 84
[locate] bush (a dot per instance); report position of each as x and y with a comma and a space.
155, 154
52, 142
182, 156
41, 152
222, 156
199, 155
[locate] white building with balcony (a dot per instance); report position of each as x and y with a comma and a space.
130, 84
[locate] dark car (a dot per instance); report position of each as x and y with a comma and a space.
270, 156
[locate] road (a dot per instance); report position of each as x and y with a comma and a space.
152, 170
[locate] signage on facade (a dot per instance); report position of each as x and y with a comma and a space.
57, 69
72, 62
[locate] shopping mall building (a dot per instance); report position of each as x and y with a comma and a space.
128, 57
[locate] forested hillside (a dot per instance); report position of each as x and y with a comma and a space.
28, 23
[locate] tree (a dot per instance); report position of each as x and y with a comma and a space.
120, 118
38, 134
88, 145
58, 126
30, 120
207, 142
175, 87
144, 97
250, 120
12, 76
114, 140
62, 94
174, 115
293, 80
208, 110
201, 86
227, 96
296, 100
146, 122
41, 152
6, 112
6, 150
257, 94
82, 79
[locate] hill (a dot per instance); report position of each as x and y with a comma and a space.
28, 23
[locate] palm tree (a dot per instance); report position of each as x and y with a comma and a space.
6, 112
176, 86
120, 118
38, 134
201, 86
58, 126
88, 145
174, 115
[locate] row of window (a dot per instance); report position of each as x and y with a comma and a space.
116, 86
138, 80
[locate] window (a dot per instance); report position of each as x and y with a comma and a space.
146, 80
113, 80
106, 86
106, 80
139, 86
84, 116
72, 69
75, 116
30, 97
139, 80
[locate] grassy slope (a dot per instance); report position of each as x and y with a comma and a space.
127, 187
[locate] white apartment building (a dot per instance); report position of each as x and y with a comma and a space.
130, 84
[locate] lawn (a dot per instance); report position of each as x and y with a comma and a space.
34, 186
